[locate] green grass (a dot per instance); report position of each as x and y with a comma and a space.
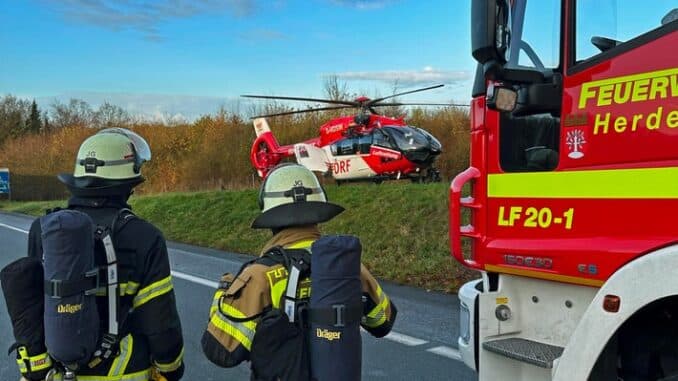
403, 227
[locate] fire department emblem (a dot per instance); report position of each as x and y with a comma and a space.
575, 142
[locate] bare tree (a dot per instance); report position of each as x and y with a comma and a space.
76, 113
109, 115
335, 89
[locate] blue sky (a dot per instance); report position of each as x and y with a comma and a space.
188, 57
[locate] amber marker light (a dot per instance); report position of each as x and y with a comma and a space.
611, 303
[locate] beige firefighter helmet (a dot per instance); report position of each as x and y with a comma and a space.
291, 195
109, 159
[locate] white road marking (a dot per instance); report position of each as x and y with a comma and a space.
446, 352
404, 339
195, 279
14, 228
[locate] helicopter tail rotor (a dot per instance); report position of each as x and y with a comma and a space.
265, 153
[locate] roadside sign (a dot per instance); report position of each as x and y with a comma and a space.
4, 181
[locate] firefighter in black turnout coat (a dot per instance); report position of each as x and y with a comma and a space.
151, 344
293, 203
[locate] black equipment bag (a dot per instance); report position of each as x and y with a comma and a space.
71, 317
22, 282
336, 309
280, 345
279, 349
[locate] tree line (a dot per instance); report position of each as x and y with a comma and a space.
20, 117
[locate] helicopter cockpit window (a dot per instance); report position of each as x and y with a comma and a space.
529, 144
381, 139
408, 138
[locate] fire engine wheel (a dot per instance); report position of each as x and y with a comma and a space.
644, 347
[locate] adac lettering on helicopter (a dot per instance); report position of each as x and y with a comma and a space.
642, 87
340, 166
385, 153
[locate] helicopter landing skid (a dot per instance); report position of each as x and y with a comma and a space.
431, 175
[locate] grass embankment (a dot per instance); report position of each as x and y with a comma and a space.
403, 227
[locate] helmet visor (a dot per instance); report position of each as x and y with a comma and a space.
141, 148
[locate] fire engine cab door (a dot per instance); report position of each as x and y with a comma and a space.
311, 157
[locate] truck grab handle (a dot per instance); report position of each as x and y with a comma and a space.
456, 231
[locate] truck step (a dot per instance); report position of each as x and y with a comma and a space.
531, 352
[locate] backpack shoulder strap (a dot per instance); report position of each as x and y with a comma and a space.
122, 218
298, 265
105, 234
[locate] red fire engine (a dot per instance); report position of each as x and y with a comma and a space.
571, 215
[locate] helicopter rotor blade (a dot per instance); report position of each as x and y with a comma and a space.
373, 101
420, 104
301, 111
346, 103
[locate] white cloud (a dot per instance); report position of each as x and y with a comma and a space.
144, 16
427, 75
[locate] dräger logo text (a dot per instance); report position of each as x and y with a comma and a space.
327, 334
69, 308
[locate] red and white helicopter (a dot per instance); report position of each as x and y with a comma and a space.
364, 147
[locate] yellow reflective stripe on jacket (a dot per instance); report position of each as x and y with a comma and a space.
242, 332
172, 366
153, 290
129, 288
37, 363
277, 292
120, 363
305, 244
377, 316
216, 300
144, 375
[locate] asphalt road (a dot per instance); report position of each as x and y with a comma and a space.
422, 345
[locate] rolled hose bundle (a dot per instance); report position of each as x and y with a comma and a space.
22, 286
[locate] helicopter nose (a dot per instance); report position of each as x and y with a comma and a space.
435, 147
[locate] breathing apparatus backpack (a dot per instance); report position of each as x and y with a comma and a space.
335, 309
75, 270
307, 338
